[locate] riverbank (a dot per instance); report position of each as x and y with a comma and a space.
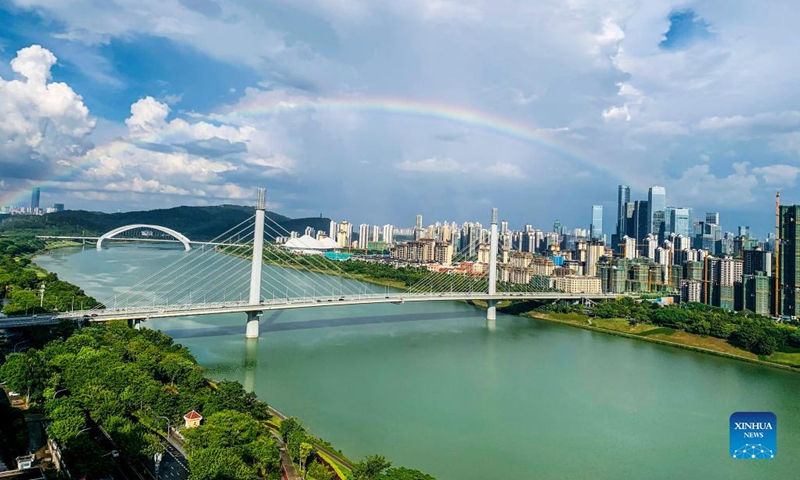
670, 337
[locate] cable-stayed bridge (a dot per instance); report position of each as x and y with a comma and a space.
244, 274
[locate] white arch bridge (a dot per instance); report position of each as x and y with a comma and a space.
173, 236
187, 244
243, 275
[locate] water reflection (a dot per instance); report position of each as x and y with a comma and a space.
250, 365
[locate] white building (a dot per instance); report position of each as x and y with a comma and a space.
363, 236
388, 234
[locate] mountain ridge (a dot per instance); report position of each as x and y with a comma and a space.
198, 223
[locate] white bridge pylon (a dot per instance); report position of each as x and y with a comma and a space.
187, 244
258, 258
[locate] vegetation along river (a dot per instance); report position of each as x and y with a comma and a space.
431, 386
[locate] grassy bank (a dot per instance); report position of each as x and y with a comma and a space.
667, 336
61, 244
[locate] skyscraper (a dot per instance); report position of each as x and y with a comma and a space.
680, 222
789, 259
418, 228
712, 217
597, 222
623, 197
35, 197
657, 206
641, 220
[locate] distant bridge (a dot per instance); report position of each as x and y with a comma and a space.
177, 237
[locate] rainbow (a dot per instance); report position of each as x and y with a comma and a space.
437, 111
372, 105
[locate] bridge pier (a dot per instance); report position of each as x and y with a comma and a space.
252, 325
491, 311
135, 323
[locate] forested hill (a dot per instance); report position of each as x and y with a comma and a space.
197, 223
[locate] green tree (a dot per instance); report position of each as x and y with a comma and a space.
304, 451
68, 419
402, 473
25, 373
370, 467
219, 463
264, 451
319, 471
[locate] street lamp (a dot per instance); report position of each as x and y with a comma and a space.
168, 424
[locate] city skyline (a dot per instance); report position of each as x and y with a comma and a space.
304, 109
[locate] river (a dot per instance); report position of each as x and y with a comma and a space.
431, 386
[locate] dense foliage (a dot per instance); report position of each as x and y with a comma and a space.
125, 381
746, 330
197, 223
21, 283
376, 467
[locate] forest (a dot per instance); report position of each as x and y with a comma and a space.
26, 289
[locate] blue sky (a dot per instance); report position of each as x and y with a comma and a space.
131, 104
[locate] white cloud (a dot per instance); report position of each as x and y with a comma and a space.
697, 185
433, 164
41, 122
781, 175
760, 123
617, 113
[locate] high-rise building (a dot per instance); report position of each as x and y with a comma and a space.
375, 234
597, 222
640, 220
680, 221
388, 234
344, 236
418, 231
789, 259
363, 236
623, 198
35, 197
712, 217
629, 247
333, 230
657, 207
58, 207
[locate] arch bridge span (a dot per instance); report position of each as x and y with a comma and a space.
187, 244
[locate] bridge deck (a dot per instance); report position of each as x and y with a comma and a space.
172, 311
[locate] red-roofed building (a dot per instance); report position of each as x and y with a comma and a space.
192, 419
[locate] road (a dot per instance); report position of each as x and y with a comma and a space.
216, 308
174, 465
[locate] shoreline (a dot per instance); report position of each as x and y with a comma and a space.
707, 351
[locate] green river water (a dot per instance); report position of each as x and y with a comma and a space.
433, 387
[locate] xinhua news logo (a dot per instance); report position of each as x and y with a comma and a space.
754, 435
